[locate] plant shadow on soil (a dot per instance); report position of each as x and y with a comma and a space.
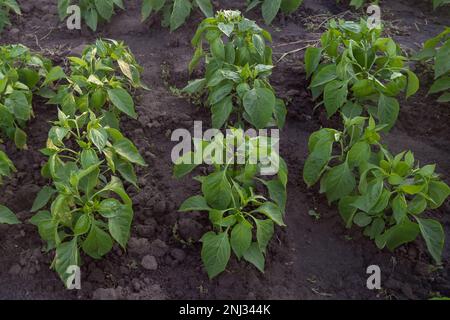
309, 259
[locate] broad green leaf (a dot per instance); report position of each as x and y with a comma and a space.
215, 252
346, 210
399, 208
270, 10
358, 154
241, 238
120, 224
334, 96
272, 211
221, 112
105, 8
338, 182
312, 60
206, 7
388, 110
438, 191
264, 233
217, 190
122, 100
7, 216
255, 256
126, 149
325, 75
442, 63
181, 10
43, 198
413, 84
434, 236
195, 203
67, 255
98, 242
259, 103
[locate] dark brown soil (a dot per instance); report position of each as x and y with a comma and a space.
310, 259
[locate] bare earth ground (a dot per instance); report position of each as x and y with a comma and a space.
310, 259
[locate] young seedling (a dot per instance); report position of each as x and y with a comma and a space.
175, 12
92, 11
357, 71
238, 67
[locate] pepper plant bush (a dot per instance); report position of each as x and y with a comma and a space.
238, 67
437, 50
243, 220
22, 74
101, 81
93, 12
358, 71
175, 12
384, 194
90, 208
6, 6
270, 8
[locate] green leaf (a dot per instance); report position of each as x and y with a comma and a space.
325, 75
359, 154
216, 252
290, 6
126, 149
401, 234
338, 182
438, 191
105, 8
195, 203
334, 96
181, 10
67, 255
17, 104
82, 225
264, 233
442, 62
221, 112
318, 159
259, 103
434, 236
98, 243
217, 190
255, 256
413, 84
312, 60
362, 220
241, 238
55, 74
206, 7
7, 216
120, 224
272, 211
347, 211
440, 85
20, 138
399, 208
91, 18
195, 86
43, 198
99, 138
388, 110
270, 10
122, 100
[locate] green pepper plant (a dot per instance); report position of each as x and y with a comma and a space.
92, 11
242, 218
175, 12
437, 49
238, 66
357, 70
89, 207
384, 194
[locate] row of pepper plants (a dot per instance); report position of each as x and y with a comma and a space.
242, 205
359, 74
